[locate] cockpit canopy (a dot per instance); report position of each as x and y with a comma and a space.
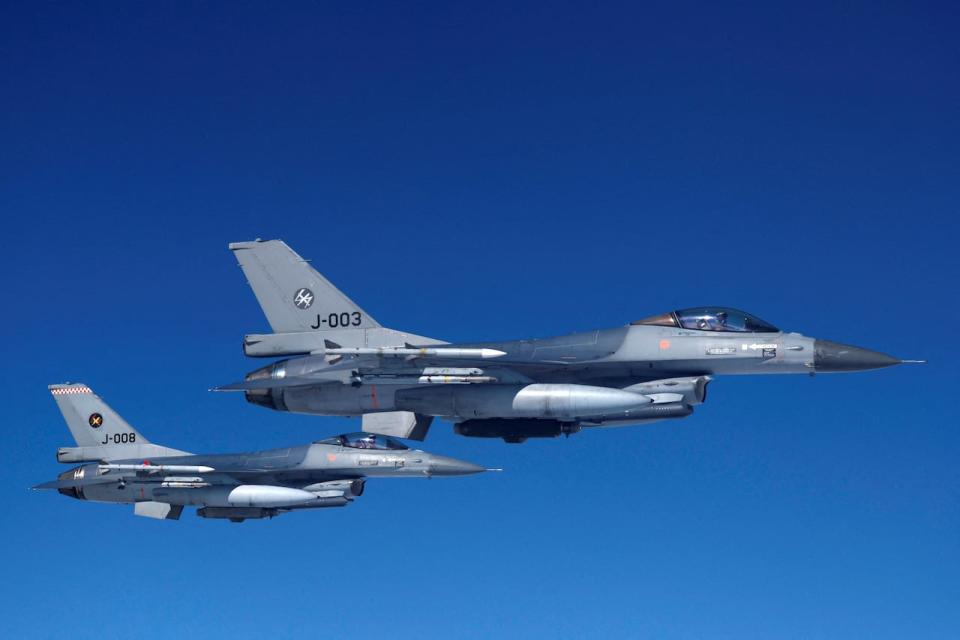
711, 319
361, 440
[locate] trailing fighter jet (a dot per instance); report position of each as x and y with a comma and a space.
345, 363
125, 467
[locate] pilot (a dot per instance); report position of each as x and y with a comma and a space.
370, 442
721, 321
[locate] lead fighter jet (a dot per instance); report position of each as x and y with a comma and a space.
125, 467
345, 363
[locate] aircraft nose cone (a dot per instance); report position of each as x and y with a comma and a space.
443, 466
833, 356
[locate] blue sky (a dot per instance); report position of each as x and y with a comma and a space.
485, 171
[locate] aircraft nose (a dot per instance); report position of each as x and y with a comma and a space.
833, 356
443, 466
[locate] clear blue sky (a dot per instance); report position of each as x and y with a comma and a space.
484, 171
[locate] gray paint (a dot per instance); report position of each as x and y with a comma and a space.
577, 370
234, 485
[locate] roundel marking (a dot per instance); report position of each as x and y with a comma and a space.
303, 298
95, 420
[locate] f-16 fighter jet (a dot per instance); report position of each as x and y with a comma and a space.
347, 364
125, 467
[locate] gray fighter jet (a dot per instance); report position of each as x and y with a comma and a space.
127, 468
347, 364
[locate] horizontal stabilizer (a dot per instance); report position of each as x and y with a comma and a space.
115, 452
74, 482
271, 383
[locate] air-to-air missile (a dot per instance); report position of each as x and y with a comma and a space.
124, 467
343, 362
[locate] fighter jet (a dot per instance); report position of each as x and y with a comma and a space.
345, 363
124, 467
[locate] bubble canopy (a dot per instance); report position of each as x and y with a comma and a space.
716, 319
361, 440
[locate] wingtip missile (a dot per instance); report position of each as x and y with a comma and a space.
157, 468
417, 352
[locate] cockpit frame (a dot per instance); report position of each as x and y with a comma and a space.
364, 440
710, 319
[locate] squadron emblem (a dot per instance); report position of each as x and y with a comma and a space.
303, 298
95, 420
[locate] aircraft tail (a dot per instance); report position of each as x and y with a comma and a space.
99, 431
292, 294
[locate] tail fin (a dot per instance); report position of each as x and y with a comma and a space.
98, 430
293, 296
91, 420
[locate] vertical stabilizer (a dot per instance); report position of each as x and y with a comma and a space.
100, 432
292, 294
91, 420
